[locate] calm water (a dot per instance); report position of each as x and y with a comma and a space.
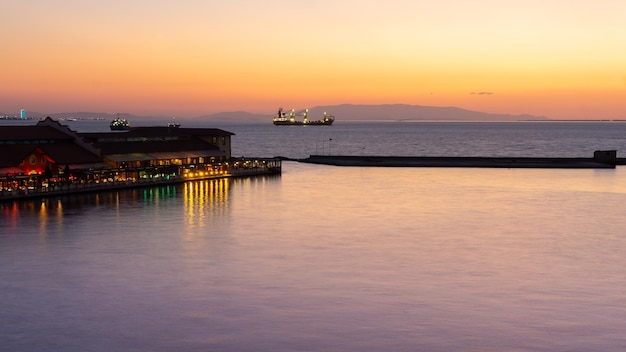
560, 139
334, 259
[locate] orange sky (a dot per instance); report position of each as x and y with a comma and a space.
561, 59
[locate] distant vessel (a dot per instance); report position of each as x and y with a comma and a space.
120, 124
173, 124
282, 119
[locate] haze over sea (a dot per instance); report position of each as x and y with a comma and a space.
328, 258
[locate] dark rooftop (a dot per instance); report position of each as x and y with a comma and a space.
29, 133
61, 153
158, 131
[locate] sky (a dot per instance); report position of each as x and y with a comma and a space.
564, 59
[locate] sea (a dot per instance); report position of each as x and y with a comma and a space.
327, 258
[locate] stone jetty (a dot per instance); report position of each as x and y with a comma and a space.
602, 159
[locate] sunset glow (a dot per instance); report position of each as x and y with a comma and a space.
556, 58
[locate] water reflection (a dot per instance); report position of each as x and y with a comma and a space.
205, 200
202, 202
324, 259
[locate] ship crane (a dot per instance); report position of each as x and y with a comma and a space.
301, 113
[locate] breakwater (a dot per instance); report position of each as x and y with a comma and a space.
602, 159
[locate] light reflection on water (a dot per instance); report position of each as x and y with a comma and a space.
323, 259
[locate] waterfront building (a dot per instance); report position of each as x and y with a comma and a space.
32, 155
50, 158
153, 152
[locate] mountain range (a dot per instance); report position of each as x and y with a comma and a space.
404, 112
343, 112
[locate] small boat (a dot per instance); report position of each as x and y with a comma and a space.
282, 119
120, 124
173, 124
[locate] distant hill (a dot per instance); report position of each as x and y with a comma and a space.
343, 112
239, 116
403, 112
386, 112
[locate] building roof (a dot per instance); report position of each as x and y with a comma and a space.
179, 131
66, 146
155, 132
61, 153
30, 133
69, 153
13, 154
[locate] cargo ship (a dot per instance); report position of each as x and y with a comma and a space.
300, 119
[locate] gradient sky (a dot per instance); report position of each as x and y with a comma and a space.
565, 59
